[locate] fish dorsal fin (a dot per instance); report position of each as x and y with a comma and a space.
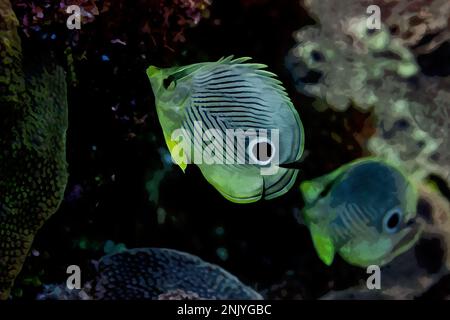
323, 244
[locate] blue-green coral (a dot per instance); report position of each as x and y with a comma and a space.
165, 274
156, 274
345, 64
33, 169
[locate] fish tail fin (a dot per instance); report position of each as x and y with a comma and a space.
279, 184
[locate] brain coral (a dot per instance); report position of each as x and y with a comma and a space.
33, 123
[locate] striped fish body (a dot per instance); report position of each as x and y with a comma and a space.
227, 110
364, 211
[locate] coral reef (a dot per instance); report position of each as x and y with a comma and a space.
33, 101
397, 74
389, 71
167, 25
61, 292
158, 274
33, 116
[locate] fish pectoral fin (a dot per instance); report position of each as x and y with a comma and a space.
177, 152
323, 244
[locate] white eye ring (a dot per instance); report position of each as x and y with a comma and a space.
392, 220
256, 141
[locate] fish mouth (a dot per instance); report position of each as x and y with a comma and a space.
152, 71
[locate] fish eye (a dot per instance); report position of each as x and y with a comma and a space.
392, 220
317, 56
167, 82
261, 151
